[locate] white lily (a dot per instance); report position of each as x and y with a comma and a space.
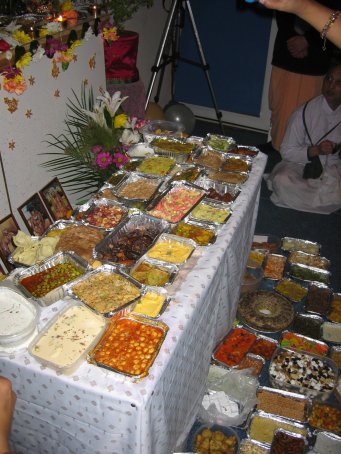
130, 137
9, 39
53, 27
96, 114
38, 54
112, 103
12, 27
88, 34
131, 122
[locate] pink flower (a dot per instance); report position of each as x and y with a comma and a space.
103, 160
140, 123
96, 149
119, 160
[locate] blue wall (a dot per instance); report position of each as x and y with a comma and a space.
235, 43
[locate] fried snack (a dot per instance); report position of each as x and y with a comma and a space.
214, 441
80, 239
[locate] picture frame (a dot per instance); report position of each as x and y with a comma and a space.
8, 229
35, 215
56, 201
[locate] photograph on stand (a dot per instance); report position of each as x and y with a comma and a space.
35, 215
56, 200
2, 273
8, 229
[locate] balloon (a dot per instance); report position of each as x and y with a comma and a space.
179, 113
154, 112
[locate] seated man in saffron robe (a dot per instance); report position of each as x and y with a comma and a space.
313, 136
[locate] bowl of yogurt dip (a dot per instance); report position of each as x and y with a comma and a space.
18, 320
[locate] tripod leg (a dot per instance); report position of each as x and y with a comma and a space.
164, 38
204, 64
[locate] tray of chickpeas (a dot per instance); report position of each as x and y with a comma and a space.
129, 346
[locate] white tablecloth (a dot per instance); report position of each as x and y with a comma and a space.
97, 411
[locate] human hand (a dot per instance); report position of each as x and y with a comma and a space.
326, 147
7, 404
298, 46
289, 6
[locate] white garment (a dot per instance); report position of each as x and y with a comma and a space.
290, 189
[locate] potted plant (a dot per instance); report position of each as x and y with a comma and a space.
123, 10
121, 54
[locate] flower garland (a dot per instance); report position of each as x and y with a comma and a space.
13, 80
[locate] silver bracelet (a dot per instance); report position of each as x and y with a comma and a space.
324, 32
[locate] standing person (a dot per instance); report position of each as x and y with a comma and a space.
309, 176
7, 404
299, 64
323, 19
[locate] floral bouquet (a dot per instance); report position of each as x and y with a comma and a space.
95, 143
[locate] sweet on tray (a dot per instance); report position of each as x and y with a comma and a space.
211, 212
129, 346
200, 234
176, 203
106, 291
156, 165
172, 249
154, 274
265, 311
283, 403
234, 347
291, 289
325, 417
312, 375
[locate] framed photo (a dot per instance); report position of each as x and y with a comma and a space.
35, 215
8, 229
56, 200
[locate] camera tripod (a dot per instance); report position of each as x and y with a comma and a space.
169, 53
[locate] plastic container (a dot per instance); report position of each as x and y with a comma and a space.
19, 319
176, 201
162, 128
219, 142
24, 279
325, 417
248, 446
251, 280
296, 244
66, 339
285, 441
121, 347
265, 311
106, 290
152, 303
266, 242
130, 239
327, 443
172, 249
283, 403
262, 427
235, 163
311, 375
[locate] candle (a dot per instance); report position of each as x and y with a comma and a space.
60, 18
95, 11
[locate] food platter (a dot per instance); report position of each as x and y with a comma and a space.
265, 311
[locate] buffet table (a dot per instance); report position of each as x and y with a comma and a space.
94, 410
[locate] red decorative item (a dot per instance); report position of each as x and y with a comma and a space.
120, 58
4, 46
